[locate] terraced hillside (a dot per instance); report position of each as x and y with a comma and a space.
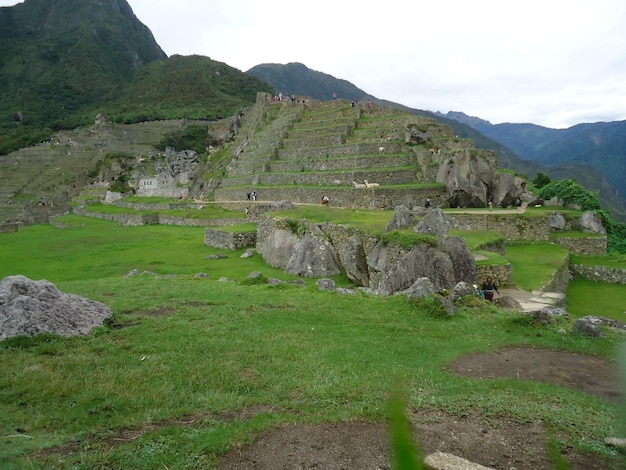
50, 172
304, 150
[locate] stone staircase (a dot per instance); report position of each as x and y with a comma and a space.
301, 151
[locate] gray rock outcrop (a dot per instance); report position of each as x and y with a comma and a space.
467, 180
319, 250
396, 269
508, 302
506, 189
463, 289
354, 260
313, 256
275, 243
30, 308
435, 222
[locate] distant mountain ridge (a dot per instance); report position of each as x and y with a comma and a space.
601, 145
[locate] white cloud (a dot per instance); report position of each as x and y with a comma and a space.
554, 63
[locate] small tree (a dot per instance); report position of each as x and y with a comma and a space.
541, 180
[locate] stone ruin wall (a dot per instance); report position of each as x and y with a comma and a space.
584, 246
228, 240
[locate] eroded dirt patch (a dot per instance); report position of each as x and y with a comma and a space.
497, 443
353, 445
583, 372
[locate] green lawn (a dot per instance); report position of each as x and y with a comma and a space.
197, 350
533, 264
596, 298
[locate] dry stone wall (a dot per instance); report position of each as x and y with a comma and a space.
599, 273
512, 227
137, 220
584, 246
227, 240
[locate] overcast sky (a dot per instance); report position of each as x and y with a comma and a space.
550, 62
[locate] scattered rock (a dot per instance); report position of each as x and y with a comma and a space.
586, 326
618, 442
445, 461
34, 307
547, 315
463, 289
326, 284
248, 254
608, 322
508, 302
401, 218
421, 288
217, 257
556, 221
131, 273
346, 291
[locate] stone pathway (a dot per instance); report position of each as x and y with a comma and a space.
535, 300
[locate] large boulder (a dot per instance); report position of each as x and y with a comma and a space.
591, 223
556, 221
275, 243
30, 308
353, 259
507, 190
463, 262
467, 179
422, 288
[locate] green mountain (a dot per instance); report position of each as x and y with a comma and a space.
190, 87
60, 57
64, 61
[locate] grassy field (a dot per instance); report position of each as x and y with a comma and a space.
193, 350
